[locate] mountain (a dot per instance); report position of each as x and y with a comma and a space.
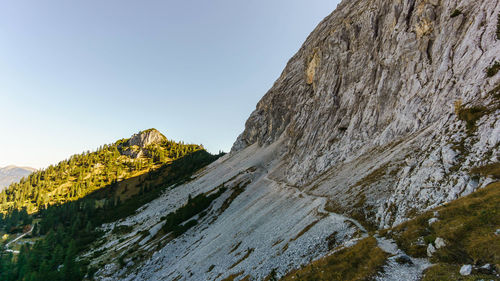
375, 155
83, 174
52, 216
12, 174
388, 110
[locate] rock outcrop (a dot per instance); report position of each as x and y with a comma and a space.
136, 146
147, 137
368, 106
384, 112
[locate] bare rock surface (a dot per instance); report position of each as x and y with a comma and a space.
11, 174
136, 145
363, 122
147, 137
367, 107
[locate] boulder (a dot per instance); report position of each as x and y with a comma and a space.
439, 243
430, 250
466, 269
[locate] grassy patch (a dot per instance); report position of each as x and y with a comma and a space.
309, 226
235, 247
467, 225
495, 93
493, 70
233, 276
359, 262
470, 115
448, 272
193, 207
492, 170
236, 191
248, 252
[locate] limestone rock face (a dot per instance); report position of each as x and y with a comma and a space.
147, 137
368, 105
370, 123
135, 146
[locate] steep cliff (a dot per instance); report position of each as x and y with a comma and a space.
389, 109
369, 108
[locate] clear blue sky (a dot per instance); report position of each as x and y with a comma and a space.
78, 74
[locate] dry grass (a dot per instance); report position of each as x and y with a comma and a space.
232, 276
249, 251
237, 190
235, 247
358, 262
468, 226
309, 226
447, 272
488, 170
470, 115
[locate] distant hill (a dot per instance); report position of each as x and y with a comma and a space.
11, 174
85, 173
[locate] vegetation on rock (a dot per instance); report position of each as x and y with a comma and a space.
455, 13
359, 262
468, 225
493, 70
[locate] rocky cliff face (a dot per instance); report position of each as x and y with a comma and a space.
384, 112
147, 137
136, 145
372, 93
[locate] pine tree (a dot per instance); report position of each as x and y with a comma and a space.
71, 270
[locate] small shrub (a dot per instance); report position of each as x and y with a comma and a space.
430, 238
498, 26
121, 261
470, 115
458, 106
493, 70
455, 13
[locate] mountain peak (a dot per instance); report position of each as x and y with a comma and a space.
12, 173
147, 137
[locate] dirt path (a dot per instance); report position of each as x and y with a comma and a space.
393, 270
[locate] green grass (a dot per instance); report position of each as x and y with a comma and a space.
359, 262
468, 227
